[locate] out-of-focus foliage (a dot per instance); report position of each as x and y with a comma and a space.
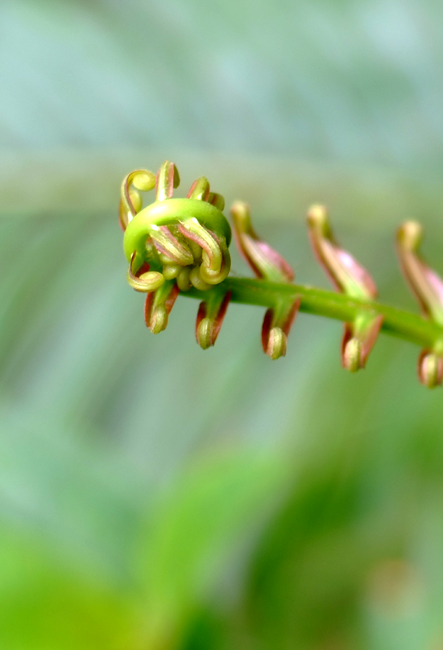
343, 79
155, 496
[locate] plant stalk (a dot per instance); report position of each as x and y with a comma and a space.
396, 322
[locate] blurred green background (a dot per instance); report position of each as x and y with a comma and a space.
157, 497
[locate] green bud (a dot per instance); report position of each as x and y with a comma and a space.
171, 271
159, 319
217, 200
425, 283
167, 179
210, 317
347, 275
430, 369
131, 202
276, 344
277, 324
144, 282
143, 180
197, 281
204, 333
183, 281
199, 189
158, 306
352, 355
207, 273
359, 339
266, 262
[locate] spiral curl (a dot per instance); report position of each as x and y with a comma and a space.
178, 246
186, 239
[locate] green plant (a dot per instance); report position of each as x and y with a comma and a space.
181, 246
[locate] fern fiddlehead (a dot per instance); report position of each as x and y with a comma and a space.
181, 246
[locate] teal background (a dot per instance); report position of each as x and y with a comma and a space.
155, 496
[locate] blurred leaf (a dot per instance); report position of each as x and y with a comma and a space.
45, 604
208, 516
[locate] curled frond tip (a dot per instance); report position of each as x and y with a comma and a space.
181, 246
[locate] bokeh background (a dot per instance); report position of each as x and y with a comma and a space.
157, 497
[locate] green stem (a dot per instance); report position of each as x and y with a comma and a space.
396, 322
